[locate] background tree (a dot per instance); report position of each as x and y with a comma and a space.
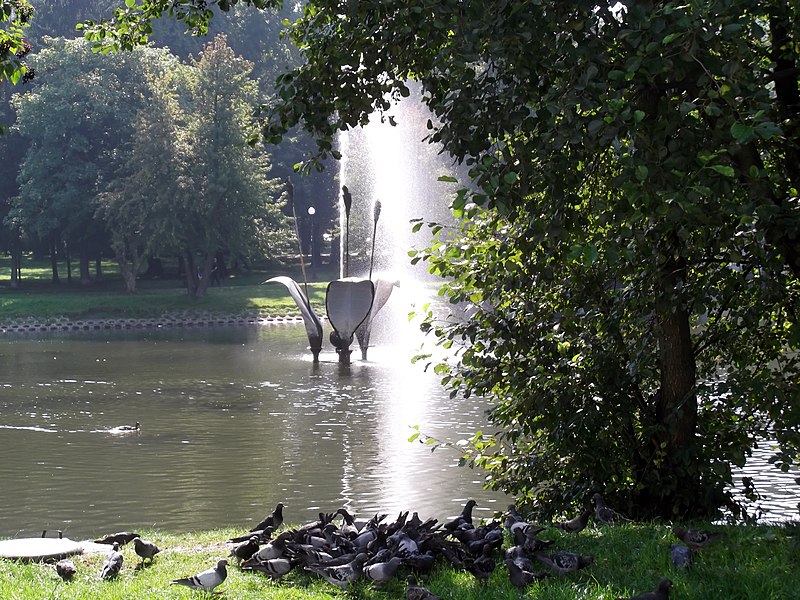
76, 121
230, 196
149, 179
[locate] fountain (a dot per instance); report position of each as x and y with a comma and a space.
388, 160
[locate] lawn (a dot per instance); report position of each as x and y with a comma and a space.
758, 562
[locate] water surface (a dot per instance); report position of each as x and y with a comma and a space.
233, 421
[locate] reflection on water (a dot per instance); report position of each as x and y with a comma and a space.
233, 422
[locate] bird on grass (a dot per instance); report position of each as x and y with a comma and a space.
207, 580
660, 593
565, 562
681, 556
343, 575
121, 538
383, 571
65, 569
274, 520
603, 513
417, 592
274, 568
145, 550
696, 538
246, 549
520, 577
464, 517
112, 564
483, 566
576, 524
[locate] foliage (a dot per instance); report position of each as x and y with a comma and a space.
15, 15
628, 267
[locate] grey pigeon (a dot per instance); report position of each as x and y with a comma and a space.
343, 575
121, 538
565, 562
383, 571
275, 568
603, 513
681, 556
696, 538
112, 564
417, 592
66, 569
246, 549
207, 580
521, 577
274, 520
575, 525
661, 592
146, 550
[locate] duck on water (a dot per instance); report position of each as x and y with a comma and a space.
126, 428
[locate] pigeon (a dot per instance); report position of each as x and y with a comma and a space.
246, 549
681, 556
383, 571
565, 562
521, 577
605, 514
207, 580
464, 517
417, 592
575, 525
112, 564
696, 538
263, 535
121, 538
274, 520
661, 592
66, 569
145, 549
342, 575
483, 566
421, 563
275, 568
512, 516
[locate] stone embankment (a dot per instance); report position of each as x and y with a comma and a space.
193, 319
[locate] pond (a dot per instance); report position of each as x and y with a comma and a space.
233, 421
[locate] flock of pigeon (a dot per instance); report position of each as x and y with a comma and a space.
346, 551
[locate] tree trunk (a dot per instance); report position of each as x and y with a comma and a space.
68, 257
98, 268
54, 262
84, 267
16, 266
674, 447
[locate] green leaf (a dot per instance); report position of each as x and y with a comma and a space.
768, 130
447, 179
642, 172
130, 3
742, 133
724, 170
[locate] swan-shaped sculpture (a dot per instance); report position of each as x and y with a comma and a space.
351, 304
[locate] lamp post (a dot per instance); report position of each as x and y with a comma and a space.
314, 248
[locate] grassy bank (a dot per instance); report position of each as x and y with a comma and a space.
103, 298
758, 562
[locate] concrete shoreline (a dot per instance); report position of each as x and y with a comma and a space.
32, 324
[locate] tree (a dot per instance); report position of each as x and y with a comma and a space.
76, 121
630, 252
149, 180
226, 209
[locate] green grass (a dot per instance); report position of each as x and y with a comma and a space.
758, 562
242, 293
